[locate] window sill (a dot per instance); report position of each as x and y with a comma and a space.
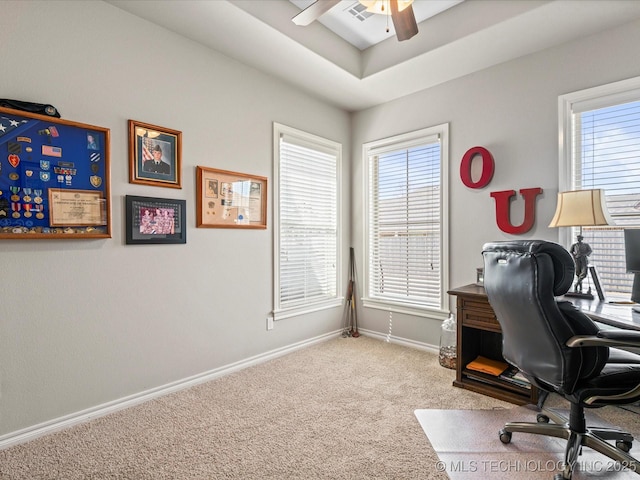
418, 311
305, 309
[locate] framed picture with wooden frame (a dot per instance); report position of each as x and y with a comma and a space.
227, 199
155, 220
54, 178
155, 155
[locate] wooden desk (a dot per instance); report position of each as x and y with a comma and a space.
618, 315
479, 333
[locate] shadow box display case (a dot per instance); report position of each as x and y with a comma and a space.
54, 178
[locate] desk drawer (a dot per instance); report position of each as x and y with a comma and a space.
479, 314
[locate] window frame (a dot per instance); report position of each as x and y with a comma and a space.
279, 311
399, 142
602, 96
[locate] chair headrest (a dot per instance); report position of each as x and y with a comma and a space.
563, 265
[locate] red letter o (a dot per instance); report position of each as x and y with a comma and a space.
487, 167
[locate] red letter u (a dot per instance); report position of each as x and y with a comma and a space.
503, 210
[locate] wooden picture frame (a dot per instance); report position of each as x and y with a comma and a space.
153, 220
227, 199
155, 155
54, 178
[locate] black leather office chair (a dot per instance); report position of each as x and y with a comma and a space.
559, 349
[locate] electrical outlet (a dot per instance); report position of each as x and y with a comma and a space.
269, 323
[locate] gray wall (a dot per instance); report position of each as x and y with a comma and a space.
512, 110
83, 323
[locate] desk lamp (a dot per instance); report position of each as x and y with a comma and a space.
581, 208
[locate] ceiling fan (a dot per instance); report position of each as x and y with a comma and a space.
404, 21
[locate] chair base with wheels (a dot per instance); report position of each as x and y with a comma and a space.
577, 434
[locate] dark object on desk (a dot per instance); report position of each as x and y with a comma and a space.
558, 348
589, 295
39, 108
580, 252
596, 282
632, 259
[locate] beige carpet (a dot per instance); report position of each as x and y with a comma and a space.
343, 409
475, 451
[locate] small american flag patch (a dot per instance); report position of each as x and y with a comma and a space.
51, 151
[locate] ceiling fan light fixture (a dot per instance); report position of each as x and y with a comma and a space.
382, 7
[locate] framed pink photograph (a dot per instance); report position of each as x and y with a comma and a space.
155, 220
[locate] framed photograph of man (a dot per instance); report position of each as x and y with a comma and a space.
155, 220
155, 155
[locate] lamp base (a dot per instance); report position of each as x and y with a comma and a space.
579, 295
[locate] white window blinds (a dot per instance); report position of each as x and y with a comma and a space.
307, 220
605, 153
405, 223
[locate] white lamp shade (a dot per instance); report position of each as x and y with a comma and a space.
581, 208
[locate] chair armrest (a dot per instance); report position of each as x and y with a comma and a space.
607, 338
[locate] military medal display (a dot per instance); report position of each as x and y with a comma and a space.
230, 199
54, 177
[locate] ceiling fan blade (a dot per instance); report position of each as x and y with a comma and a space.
404, 22
314, 11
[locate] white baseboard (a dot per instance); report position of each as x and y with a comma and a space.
45, 428
401, 341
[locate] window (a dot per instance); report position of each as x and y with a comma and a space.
307, 222
600, 148
406, 222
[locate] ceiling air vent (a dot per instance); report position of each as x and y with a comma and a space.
359, 11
